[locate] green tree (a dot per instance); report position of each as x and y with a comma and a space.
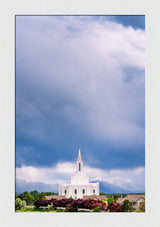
22, 195
127, 206
103, 193
19, 204
29, 199
16, 196
142, 206
42, 195
50, 193
36, 194
110, 199
115, 197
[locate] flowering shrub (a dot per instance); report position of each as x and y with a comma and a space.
71, 207
41, 202
79, 203
114, 207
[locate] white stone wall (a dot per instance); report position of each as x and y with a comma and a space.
79, 179
70, 190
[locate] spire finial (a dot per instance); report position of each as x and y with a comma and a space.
79, 154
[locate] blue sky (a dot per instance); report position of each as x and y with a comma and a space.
80, 80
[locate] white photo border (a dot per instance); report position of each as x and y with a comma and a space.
8, 10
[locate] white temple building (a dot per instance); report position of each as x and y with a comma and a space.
79, 185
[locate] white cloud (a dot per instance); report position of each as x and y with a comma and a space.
52, 175
127, 179
83, 60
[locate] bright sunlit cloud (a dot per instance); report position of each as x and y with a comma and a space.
130, 178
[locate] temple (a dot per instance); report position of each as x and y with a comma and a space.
79, 185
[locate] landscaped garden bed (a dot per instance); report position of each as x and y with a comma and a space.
72, 205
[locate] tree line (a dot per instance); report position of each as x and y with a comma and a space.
32, 196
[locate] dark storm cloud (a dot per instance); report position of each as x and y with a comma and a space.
79, 81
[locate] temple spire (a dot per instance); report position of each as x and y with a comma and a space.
79, 155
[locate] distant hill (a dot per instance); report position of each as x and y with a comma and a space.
22, 186
111, 188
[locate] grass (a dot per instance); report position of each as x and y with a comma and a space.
83, 211
34, 209
57, 210
30, 209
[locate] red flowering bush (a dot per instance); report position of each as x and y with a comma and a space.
114, 207
71, 207
41, 202
79, 203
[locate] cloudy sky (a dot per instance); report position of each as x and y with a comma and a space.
80, 80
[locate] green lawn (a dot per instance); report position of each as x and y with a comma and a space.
58, 210
34, 209
30, 209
